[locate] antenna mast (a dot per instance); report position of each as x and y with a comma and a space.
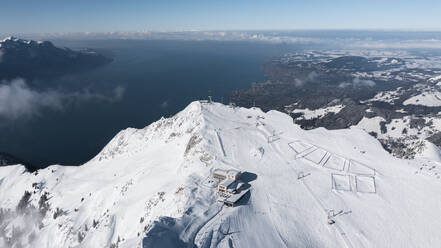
209, 96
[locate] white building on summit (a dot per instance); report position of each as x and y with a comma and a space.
228, 180
228, 186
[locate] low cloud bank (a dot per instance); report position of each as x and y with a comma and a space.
18, 100
336, 38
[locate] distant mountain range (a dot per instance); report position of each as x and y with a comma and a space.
39, 59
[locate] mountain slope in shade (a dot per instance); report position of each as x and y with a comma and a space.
41, 59
152, 187
8, 159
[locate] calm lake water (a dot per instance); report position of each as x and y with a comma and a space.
159, 77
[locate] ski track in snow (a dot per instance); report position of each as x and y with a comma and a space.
221, 145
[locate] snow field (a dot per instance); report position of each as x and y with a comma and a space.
431, 99
152, 188
365, 184
341, 182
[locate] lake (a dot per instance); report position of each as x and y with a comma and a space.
159, 78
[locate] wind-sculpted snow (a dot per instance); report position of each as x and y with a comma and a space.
152, 187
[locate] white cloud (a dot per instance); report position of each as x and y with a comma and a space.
18, 100
403, 44
268, 37
164, 104
261, 36
119, 92
362, 83
344, 84
310, 77
357, 82
298, 82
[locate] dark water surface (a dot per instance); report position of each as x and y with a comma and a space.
159, 77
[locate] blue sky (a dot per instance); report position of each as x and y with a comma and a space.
51, 16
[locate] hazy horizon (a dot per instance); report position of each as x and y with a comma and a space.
51, 16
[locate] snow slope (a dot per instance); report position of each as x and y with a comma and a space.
430, 99
311, 114
430, 151
152, 188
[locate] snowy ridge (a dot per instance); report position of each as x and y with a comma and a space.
152, 187
12, 41
435, 79
133, 140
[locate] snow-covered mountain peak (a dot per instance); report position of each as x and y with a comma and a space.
9, 38
186, 123
153, 187
14, 42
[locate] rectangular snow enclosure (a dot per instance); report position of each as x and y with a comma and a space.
365, 184
316, 156
341, 182
299, 146
335, 162
358, 168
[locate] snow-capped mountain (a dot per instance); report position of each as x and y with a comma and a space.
30, 59
153, 187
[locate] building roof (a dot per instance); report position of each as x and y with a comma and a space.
228, 182
226, 172
233, 172
234, 198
